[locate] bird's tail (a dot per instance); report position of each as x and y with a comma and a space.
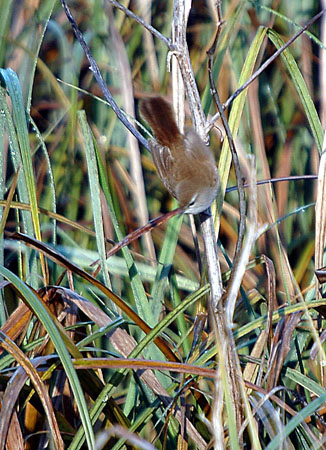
159, 114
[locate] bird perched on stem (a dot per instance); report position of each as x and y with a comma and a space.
184, 163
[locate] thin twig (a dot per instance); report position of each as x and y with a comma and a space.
136, 234
96, 71
236, 163
224, 336
245, 252
146, 25
181, 53
276, 180
126, 89
230, 303
255, 75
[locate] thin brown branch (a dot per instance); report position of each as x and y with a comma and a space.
98, 76
258, 72
276, 180
236, 163
146, 25
244, 254
181, 54
138, 233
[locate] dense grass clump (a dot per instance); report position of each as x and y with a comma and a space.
171, 342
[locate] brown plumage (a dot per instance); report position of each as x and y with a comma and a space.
159, 115
184, 163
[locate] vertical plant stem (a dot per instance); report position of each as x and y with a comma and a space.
229, 386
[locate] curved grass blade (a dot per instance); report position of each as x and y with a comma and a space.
12, 83
148, 339
301, 87
51, 179
307, 411
95, 195
61, 260
165, 263
40, 311
238, 105
31, 372
142, 304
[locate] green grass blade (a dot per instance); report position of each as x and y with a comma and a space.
165, 263
182, 325
21, 185
300, 416
95, 195
304, 381
238, 105
301, 87
116, 265
12, 83
6, 8
52, 195
167, 320
35, 39
142, 304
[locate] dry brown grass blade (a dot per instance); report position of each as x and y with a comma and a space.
15, 439
64, 262
320, 209
251, 370
120, 339
281, 347
16, 324
142, 364
117, 430
12, 393
59, 315
125, 344
55, 216
122, 343
8, 201
136, 234
144, 7
271, 293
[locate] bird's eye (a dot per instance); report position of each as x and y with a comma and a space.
192, 202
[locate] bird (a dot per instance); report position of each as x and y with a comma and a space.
185, 165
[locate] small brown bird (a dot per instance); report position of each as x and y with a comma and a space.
184, 163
